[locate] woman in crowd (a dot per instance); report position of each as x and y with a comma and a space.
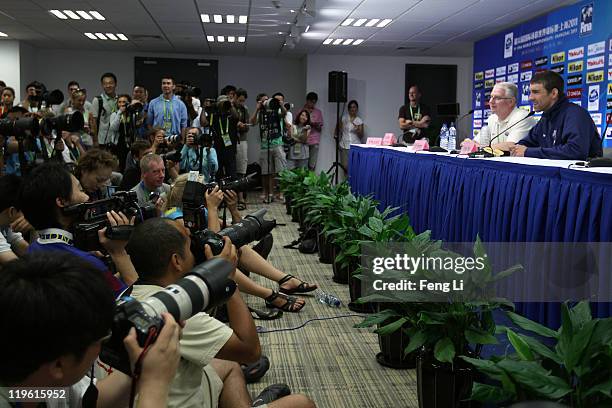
94, 170
6, 101
299, 151
351, 131
123, 122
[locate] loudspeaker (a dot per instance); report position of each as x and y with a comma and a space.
337, 86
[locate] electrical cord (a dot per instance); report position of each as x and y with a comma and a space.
305, 323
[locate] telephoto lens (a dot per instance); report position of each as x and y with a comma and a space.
208, 285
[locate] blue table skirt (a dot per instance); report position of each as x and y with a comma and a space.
502, 202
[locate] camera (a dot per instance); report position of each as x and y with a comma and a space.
54, 97
251, 228
238, 184
71, 122
205, 287
134, 108
19, 128
92, 218
32, 126
272, 104
173, 155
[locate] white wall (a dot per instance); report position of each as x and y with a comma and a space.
9, 65
377, 83
28, 66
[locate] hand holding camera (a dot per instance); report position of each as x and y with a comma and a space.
229, 253
214, 198
114, 246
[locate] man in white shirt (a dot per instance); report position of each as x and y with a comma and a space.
505, 114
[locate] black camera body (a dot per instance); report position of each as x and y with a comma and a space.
92, 218
208, 285
134, 108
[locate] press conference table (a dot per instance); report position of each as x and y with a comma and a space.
505, 199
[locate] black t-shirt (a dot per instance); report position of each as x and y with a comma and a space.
417, 113
224, 123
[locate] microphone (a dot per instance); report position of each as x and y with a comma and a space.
488, 151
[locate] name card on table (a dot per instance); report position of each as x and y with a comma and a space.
468, 146
389, 139
374, 141
419, 145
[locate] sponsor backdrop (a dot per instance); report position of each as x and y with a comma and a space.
574, 41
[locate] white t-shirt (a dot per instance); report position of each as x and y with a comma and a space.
349, 131
7, 238
515, 134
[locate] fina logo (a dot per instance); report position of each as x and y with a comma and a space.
593, 95
508, 43
586, 20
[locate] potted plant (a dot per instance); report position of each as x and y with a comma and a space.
575, 369
289, 182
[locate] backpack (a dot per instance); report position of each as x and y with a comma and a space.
307, 243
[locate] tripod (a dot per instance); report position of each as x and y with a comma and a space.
336, 165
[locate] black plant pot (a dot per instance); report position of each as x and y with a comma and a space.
355, 293
443, 385
392, 348
326, 250
288, 204
341, 274
295, 217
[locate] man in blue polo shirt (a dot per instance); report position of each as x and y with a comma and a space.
44, 194
167, 111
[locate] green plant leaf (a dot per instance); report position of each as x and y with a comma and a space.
541, 349
444, 350
580, 314
579, 343
520, 345
604, 388
376, 224
476, 336
532, 326
566, 332
510, 271
417, 339
364, 230
490, 393
535, 378
377, 318
391, 327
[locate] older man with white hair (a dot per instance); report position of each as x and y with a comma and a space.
505, 114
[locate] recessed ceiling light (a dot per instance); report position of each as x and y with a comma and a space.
84, 15
338, 41
348, 21
72, 14
122, 37
101, 36
348, 41
229, 18
210, 38
3, 34
97, 15
329, 40
357, 42
112, 36
241, 39
384, 22
280, 33
292, 11
220, 38
91, 36
231, 38
205, 18
372, 22
242, 19
360, 22
307, 28
218, 18
58, 14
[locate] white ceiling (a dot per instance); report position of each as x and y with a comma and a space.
419, 27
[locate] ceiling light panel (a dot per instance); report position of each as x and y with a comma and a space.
210, 38
77, 15
342, 41
3, 34
71, 14
383, 23
357, 42
218, 18
205, 18
58, 14
348, 22
337, 41
101, 36
372, 22
360, 22
106, 36
84, 15
97, 15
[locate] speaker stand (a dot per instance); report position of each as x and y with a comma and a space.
336, 166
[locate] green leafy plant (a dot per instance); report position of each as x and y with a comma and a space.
575, 370
291, 182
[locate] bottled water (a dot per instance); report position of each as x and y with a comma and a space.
327, 298
452, 137
444, 137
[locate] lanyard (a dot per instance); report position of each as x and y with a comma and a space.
168, 115
418, 112
223, 132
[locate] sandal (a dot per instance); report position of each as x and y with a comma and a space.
254, 372
303, 287
290, 304
241, 206
271, 393
265, 315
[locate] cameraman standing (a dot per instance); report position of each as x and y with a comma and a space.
198, 154
123, 122
224, 127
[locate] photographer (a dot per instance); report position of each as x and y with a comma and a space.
12, 243
79, 104
270, 116
44, 194
242, 150
224, 128
199, 155
11, 145
161, 251
123, 122
32, 101
132, 175
73, 310
94, 170
140, 94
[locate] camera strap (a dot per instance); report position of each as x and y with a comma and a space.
55, 236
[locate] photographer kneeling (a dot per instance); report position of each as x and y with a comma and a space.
43, 198
161, 252
58, 311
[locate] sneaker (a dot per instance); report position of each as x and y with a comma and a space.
271, 393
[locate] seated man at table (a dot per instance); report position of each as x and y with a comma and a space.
566, 130
505, 115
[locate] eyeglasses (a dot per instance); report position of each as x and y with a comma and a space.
498, 98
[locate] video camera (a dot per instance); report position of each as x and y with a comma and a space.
32, 126
54, 97
92, 218
134, 108
205, 287
272, 104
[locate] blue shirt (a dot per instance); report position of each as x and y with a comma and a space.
565, 132
170, 115
189, 161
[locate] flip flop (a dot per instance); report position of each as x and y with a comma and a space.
303, 287
254, 372
271, 393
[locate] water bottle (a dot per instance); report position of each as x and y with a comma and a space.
327, 298
43, 106
452, 137
444, 137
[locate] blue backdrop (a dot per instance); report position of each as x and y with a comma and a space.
573, 41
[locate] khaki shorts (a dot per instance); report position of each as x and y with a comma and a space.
242, 151
211, 386
278, 162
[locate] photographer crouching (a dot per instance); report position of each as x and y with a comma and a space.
45, 198
58, 311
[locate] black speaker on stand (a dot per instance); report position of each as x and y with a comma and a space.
337, 92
